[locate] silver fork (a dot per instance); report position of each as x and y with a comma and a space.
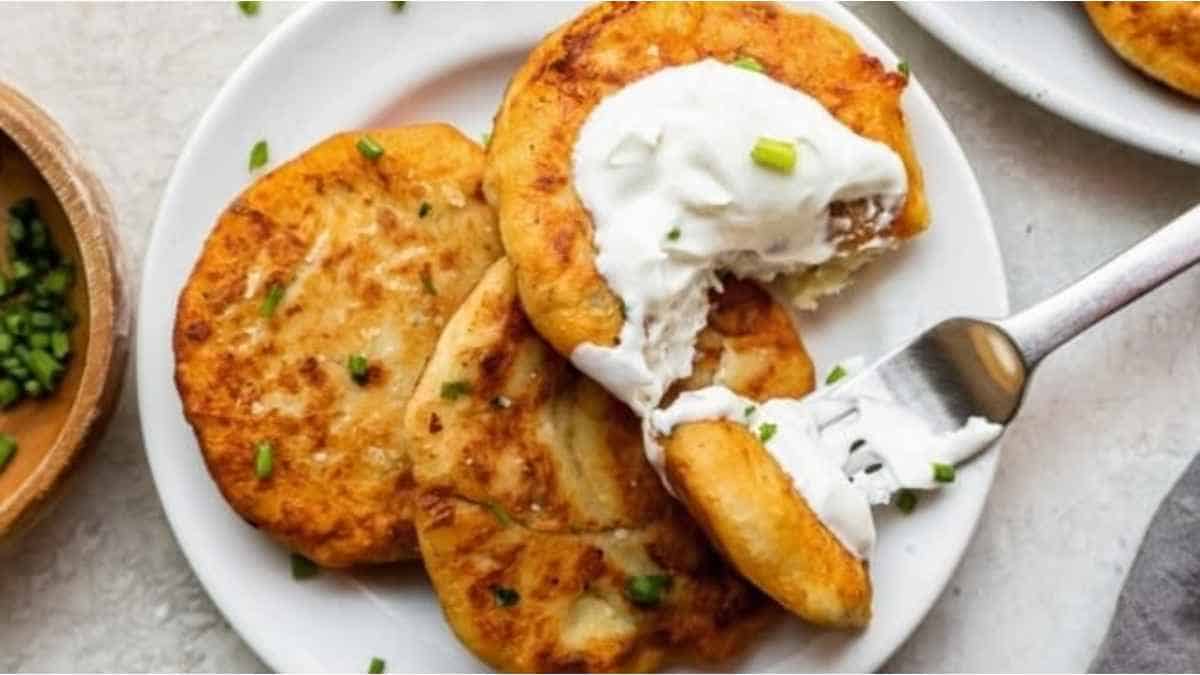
964, 367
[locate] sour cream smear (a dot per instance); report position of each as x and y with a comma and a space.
664, 168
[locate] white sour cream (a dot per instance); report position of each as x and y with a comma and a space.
664, 168
844, 468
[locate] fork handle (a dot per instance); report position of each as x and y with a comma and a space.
1040, 329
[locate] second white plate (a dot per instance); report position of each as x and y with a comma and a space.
342, 66
1049, 53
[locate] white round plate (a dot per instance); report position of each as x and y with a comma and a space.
1049, 53
341, 66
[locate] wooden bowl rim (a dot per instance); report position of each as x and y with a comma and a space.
90, 217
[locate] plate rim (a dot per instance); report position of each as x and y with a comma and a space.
1036, 89
263, 646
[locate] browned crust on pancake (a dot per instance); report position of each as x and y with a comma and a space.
547, 232
549, 494
364, 273
1161, 39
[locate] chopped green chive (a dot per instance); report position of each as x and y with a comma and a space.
377, 664
427, 282
502, 402
398, 5
906, 501
749, 410
264, 460
369, 148
774, 154
904, 68
271, 302
60, 344
249, 7
259, 154
748, 63
836, 374
10, 392
303, 568
44, 367
673, 235
943, 473
424, 209
647, 589
505, 596
357, 365
858, 443
499, 512
8, 448
624, 309
766, 431
25, 208
456, 389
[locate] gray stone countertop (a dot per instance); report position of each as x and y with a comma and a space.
1108, 426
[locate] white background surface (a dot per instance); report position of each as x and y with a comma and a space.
1108, 426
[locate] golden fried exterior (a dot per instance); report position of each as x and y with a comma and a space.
372, 257
750, 508
548, 233
1162, 39
537, 505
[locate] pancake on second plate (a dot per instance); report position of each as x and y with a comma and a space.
1162, 39
332, 256
548, 233
547, 534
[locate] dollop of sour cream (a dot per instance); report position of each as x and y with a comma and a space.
843, 453
664, 168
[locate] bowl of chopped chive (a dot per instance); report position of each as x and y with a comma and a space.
64, 325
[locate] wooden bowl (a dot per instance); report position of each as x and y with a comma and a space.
37, 159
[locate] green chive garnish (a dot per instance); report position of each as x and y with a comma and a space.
8, 448
378, 664
505, 596
647, 589
357, 365
904, 68
943, 473
303, 568
906, 501
271, 301
673, 235
748, 63
749, 410
774, 154
10, 392
369, 148
453, 390
499, 512
836, 374
259, 155
424, 210
248, 7
427, 282
264, 460
398, 5
766, 431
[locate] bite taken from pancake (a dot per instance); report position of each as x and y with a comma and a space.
537, 151
548, 535
311, 311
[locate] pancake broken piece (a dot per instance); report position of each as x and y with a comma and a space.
548, 232
303, 328
549, 538
1161, 39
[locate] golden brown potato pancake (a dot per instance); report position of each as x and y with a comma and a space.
548, 233
752, 511
1162, 39
371, 257
537, 506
